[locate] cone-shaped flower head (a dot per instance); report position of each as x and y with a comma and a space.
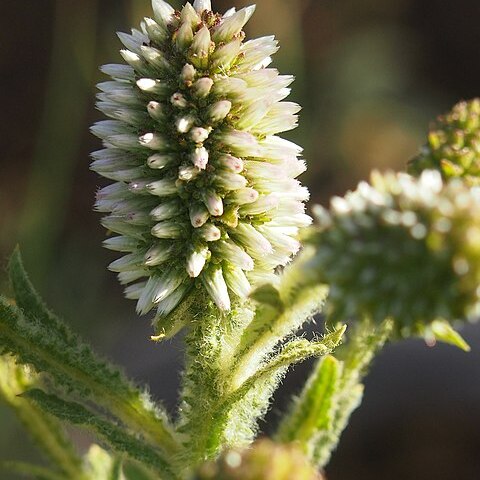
402, 248
205, 191
265, 460
453, 145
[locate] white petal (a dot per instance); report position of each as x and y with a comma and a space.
232, 25
237, 281
216, 287
196, 262
163, 11
201, 5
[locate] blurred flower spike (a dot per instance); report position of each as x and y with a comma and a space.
453, 145
205, 192
403, 248
264, 460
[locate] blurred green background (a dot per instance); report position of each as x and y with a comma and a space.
371, 74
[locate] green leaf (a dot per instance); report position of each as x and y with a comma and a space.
334, 390
268, 295
270, 326
35, 471
46, 431
116, 437
442, 331
293, 352
40, 338
355, 357
135, 471
30, 302
311, 412
258, 388
349, 399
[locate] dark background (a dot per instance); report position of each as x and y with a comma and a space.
371, 74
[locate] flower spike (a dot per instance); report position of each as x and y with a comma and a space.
205, 193
402, 248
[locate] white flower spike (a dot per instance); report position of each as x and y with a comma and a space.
205, 194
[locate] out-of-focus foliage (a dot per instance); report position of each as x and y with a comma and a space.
453, 145
265, 460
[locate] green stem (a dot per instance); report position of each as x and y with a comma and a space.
296, 351
201, 390
212, 398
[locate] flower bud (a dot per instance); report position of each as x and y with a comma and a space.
230, 181
215, 285
224, 56
196, 261
199, 134
155, 32
187, 173
155, 58
232, 25
150, 85
210, 232
118, 72
162, 188
202, 87
166, 210
184, 124
200, 48
188, 74
214, 203
121, 244
154, 141
189, 15
201, 5
168, 229
198, 215
163, 12
218, 111
235, 255
243, 196
237, 281
178, 100
159, 161
158, 254
155, 110
134, 60
184, 36
453, 145
200, 158
231, 163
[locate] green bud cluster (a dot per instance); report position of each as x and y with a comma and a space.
265, 460
453, 145
401, 248
205, 192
